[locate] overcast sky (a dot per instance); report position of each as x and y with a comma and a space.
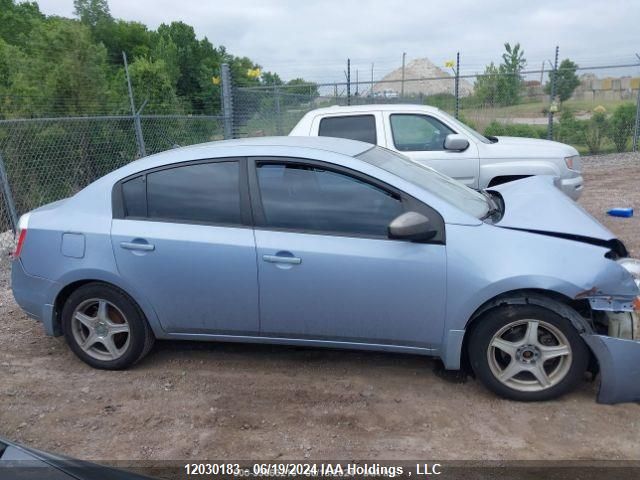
314, 38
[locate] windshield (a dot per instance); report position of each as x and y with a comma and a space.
446, 188
466, 128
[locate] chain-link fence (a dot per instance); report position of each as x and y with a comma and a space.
46, 159
595, 114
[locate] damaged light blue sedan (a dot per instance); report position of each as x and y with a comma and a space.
335, 243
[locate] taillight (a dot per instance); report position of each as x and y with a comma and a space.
21, 234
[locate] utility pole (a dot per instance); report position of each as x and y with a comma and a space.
404, 55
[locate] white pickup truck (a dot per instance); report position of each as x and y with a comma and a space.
431, 136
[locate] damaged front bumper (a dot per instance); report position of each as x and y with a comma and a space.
618, 353
619, 361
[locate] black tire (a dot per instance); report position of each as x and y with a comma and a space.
140, 340
494, 321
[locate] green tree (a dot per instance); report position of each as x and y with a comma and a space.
300, 86
197, 61
502, 85
566, 80
152, 82
189, 55
120, 36
64, 72
269, 78
487, 86
164, 49
17, 20
53, 65
510, 80
91, 12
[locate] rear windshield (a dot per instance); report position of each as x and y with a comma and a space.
448, 189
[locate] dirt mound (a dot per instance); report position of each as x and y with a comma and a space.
422, 77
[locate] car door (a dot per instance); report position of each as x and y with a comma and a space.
327, 270
421, 137
182, 237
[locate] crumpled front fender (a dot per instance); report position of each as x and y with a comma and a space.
619, 361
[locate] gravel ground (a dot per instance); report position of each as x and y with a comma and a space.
216, 401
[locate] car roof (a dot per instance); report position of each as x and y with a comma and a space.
381, 107
337, 145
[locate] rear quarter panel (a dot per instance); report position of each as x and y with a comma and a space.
87, 215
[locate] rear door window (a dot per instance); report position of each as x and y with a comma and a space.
195, 193
353, 127
134, 192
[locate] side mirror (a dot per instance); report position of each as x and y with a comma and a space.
412, 226
456, 142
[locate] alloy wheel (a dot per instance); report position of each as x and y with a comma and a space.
100, 329
529, 355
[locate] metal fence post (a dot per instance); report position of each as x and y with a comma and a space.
276, 94
227, 101
8, 197
636, 129
552, 95
404, 56
137, 125
348, 81
457, 84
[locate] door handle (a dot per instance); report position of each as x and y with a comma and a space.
145, 247
282, 259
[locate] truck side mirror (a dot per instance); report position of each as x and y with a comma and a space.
456, 142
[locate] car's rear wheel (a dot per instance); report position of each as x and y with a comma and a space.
105, 328
527, 353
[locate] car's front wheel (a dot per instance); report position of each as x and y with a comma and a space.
527, 353
105, 328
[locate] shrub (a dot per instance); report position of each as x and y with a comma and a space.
443, 101
570, 130
466, 121
597, 129
515, 130
494, 129
621, 125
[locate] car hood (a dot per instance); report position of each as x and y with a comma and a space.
536, 204
518, 147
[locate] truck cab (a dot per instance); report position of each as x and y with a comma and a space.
431, 136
